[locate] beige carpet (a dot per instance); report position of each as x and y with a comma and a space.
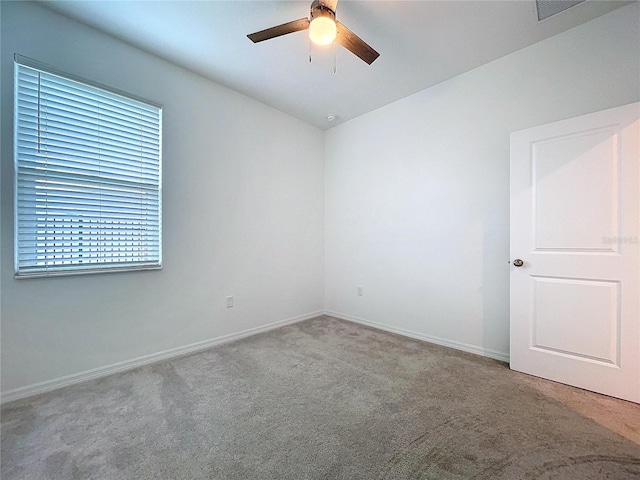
322, 399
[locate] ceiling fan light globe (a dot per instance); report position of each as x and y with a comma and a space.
322, 30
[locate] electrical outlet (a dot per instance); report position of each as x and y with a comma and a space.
359, 290
229, 302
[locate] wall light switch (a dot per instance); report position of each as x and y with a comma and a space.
229, 302
359, 290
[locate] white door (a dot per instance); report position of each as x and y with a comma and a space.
575, 225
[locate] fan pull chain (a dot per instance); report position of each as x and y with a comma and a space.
335, 62
309, 50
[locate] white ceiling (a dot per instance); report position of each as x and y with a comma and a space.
421, 43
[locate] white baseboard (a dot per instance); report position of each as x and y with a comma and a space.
67, 380
503, 357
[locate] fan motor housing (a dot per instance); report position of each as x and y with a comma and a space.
318, 10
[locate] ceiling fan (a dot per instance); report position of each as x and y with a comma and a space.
323, 30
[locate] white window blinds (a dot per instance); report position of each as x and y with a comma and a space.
88, 177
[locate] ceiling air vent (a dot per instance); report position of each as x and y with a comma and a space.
547, 8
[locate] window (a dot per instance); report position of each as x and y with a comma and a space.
88, 190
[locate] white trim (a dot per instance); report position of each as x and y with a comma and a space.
485, 352
67, 380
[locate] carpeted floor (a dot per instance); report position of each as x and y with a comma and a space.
321, 399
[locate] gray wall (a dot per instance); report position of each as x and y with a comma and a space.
243, 216
417, 192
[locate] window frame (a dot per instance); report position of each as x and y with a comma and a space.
79, 269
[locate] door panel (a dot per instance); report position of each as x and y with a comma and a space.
575, 208
572, 172
556, 298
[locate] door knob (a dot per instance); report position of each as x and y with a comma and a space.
518, 263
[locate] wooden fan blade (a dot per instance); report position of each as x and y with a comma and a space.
355, 44
283, 29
